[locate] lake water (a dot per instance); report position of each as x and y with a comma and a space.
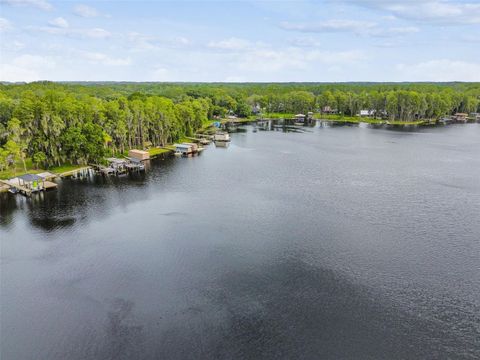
335, 243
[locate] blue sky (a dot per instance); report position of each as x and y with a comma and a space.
329, 40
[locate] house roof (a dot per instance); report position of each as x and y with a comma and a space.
183, 146
46, 174
116, 160
135, 160
30, 177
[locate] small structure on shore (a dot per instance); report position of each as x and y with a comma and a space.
195, 148
32, 182
138, 154
183, 150
135, 164
122, 166
367, 113
328, 110
47, 175
116, 166
221, 136
445, 120
300, 118
28, 183
460, 117
475, 117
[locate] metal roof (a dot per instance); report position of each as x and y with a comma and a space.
183, 146
30, 177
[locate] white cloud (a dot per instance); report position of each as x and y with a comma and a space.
143, 42
304, 42
26, 68
97, 33
440, 70
5, 25
234, 78
85, 11
16, 45
40, 4
403, 30
160, 74
59, 22
334, 25
442, 12
471, 38
358, 27
104, 59
394, 31
389, 17
230, 44
92, 33
270, 60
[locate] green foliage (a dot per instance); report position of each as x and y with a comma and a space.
39, 158
78, 123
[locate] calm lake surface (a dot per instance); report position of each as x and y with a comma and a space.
335, 243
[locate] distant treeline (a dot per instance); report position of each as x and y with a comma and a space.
56, 123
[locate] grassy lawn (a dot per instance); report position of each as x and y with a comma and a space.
340, 118
19, 170
357, 119
158, 151
10, 173
31, 169
64, 168
403, 123
277, 116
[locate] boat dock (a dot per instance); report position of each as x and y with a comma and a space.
28, 184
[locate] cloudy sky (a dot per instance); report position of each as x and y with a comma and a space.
298, 40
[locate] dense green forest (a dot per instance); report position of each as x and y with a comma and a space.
78, 123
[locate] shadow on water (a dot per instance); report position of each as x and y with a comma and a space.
8, 206
291, 310
79, 200
120, 338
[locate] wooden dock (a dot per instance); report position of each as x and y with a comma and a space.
47, 185
21, 189
74, 171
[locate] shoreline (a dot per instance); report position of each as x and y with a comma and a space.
66, 170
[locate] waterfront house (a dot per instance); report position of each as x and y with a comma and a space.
367, 113
193, 146
138, 154
134, 164
328, 110
183, 149
222, 136
460, 117
299, 118
117, 165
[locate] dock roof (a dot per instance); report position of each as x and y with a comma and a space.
183, 146
30, 177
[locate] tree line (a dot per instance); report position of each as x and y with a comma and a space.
79, 123
55, 127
